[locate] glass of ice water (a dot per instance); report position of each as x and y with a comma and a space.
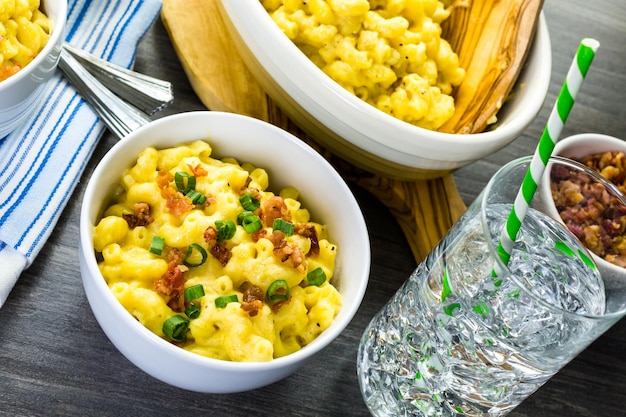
467, 335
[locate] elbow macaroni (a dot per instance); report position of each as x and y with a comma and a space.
24, 31
131, 270
387, 52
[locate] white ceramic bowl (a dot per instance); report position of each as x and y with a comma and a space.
20, 92
249, 140
360, 133
577, 147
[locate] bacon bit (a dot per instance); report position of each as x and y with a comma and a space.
252, 301
168, 192
277, 237
258, 235
221, 253
141, 217
210, 234
217, 249
275, 208
175, 255
172, 283
198, 170
308, 231
298, 259
252, 307
284, 252
177, 203
164, 178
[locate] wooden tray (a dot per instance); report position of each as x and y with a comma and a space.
425, 210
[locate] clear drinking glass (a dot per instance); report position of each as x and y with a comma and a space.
459, 338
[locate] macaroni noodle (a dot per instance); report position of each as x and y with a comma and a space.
387, 52
24, 31
264, 282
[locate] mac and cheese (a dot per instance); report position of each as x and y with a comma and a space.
259, 269
387, 52
24, 31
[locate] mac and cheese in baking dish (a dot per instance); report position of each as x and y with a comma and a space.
24, 31
201, 253
387, 52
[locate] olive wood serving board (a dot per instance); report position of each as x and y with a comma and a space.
425, 210
492, 39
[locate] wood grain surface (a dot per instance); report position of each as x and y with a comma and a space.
56, 361
491, 38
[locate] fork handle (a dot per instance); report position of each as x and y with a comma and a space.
147, 93
119, 116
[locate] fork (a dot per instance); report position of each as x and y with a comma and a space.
145, 92
118, 115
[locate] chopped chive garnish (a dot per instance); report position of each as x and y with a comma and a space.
157, 244
196, 197
194, 292
278, 291
185, 182
221, 302
225, 229
283, 226
175, 328
193, 312
316, 277
191, 250
249, 202
243, 215
249, 221
251, 224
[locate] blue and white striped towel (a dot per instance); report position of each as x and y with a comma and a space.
42, 161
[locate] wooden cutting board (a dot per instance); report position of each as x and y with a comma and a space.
425, 210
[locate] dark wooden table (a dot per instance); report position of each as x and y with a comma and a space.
55, 360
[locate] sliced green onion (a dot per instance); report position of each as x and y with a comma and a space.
157, 244
196, 197
316, 277
251, 223
175, 328
278, 291
193, 311
225, 229
194, 292
243, 215
221, 302
283, 226
191, 250
185, 182
249, 202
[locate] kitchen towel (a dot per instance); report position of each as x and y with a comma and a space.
42, 161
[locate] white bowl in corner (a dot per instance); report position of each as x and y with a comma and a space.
20, 93
577, 147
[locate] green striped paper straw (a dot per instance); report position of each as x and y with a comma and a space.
564, 103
